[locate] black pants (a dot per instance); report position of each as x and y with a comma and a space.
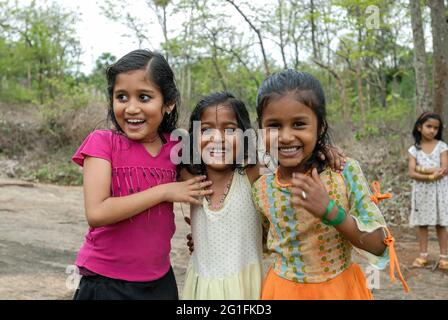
103, 288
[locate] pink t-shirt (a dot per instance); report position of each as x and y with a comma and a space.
136, 249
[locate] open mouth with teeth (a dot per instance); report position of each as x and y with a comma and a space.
216, 155
289, 151
216, 152
134, 123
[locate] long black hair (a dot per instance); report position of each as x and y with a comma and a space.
222, 98
158, 72
307, 90
425, 116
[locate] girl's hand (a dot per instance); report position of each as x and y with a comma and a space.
190, 243
335, 156
440, 173
309, 193
445, 171
187, 191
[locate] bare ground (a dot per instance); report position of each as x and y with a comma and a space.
42, 228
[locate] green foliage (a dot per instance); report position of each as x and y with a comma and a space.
98, 76
370, 70
38, 51
64, 173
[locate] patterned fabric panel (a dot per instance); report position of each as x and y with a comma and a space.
306, 250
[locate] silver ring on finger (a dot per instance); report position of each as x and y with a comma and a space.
303, 194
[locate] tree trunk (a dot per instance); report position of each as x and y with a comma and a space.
313, 31
439, 28
165, 34
358, 72
423, 98
216, 65
281, 35
362, 109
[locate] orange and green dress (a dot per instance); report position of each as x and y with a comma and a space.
313, 260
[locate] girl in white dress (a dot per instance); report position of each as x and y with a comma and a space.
428, 166
227, 230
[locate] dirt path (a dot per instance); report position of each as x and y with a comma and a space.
42, 227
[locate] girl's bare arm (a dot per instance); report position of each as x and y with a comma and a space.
253, 173
444, 160
372, 242
101, 209
412, 173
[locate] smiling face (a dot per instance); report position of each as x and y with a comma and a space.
138, 105
218, 137
296, 126
429, 129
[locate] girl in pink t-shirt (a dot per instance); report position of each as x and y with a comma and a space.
130, 186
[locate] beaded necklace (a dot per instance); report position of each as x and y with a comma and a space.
220, 204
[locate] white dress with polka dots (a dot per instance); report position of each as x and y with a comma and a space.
429, 199
227, 258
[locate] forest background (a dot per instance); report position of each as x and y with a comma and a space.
381, 63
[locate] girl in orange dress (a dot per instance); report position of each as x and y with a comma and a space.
314, 216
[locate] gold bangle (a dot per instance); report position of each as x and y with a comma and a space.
431, 177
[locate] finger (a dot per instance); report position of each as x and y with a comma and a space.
295, 190
196, 180
301, 180
321, 156
201, 185
316, 178
295, 201
298, 185
205, 184
332, 159
340, 152
299, 176
337, 162
199, 193
342, 157
195, 201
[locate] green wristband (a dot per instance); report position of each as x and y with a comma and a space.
328, 210
338, 220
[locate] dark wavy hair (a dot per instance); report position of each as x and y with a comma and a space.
307, 90
425, 116
222, 98
158, 72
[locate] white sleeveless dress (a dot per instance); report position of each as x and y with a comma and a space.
227, 258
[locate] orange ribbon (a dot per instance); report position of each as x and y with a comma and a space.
377, 195
389, 241
394, 264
